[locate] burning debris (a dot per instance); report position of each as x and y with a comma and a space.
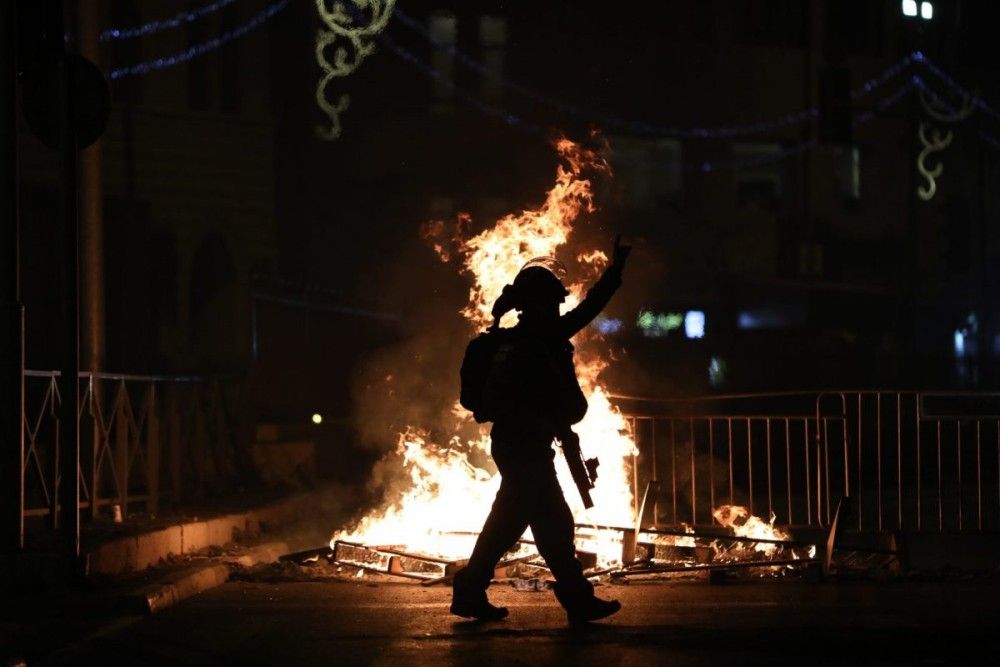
424, 530
648, 551
447, 496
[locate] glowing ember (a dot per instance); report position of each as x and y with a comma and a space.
447, 494
744, 524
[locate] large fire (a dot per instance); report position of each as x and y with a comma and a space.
448, 499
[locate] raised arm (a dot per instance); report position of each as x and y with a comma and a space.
598, 295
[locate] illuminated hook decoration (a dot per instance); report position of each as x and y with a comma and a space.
940, 111
348, 35
937, 142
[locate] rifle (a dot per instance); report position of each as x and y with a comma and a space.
584, 472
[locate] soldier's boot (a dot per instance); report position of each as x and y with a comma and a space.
582, 606
469, 600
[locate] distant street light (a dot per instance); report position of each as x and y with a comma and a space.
317, 418
926, 9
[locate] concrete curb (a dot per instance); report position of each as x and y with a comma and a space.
165, 594
138, 552
178, 586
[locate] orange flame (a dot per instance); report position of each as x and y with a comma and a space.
744, 524
448, 495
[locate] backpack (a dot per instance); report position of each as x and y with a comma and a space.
501, 375
476, 372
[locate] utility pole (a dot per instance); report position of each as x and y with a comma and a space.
91, 215
69, 426
12, 317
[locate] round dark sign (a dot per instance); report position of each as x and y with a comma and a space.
41, 100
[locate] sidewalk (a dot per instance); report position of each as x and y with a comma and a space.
129, 576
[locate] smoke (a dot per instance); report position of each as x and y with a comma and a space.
412, 382
415, 383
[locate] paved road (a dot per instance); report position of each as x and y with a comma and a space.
766, 623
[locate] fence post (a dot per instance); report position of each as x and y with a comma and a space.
174, 446
121, 425
152, 451
197, 440
97, 432
224, 444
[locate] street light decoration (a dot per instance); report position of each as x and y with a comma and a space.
341, 46
937, 140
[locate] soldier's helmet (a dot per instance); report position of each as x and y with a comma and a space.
540, 280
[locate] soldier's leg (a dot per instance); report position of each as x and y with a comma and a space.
506, 523
552, 526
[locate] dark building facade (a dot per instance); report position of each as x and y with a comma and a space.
796, 233
790, 219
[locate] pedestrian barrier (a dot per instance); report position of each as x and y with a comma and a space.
913, 460
144, 440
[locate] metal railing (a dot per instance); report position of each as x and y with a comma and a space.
144, 440
909, 460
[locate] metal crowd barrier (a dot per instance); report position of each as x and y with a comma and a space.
913, 460
145, 440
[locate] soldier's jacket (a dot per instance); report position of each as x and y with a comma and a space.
533, 389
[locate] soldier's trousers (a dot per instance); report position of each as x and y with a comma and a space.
529, 495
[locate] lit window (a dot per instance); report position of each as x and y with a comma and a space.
647, 170
926, 11
849, 178
717, 370
443, 28
654, 325
694, 324
759, 175
493, 39
909, 7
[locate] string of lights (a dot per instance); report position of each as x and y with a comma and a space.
503, 115
886, 102
957, 87
720, 132
989, 139
868, 87
202, 48
803, 146
639, 127
513, 120
922, 85
155, 26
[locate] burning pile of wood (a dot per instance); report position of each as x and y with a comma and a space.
644, 552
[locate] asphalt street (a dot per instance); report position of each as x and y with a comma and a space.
358, 622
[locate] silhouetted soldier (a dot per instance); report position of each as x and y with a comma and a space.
533, 395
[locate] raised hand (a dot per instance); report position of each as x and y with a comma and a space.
620, 252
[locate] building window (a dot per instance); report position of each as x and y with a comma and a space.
493, 40
444, 34
849, 174
759, 179
648, 170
